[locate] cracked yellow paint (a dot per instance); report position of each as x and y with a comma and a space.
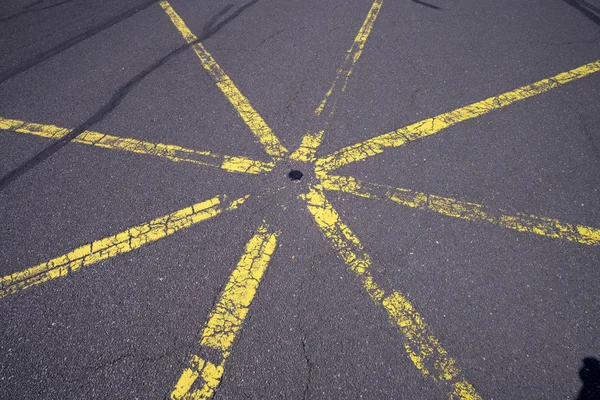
312, 140
542, 226
353, 53
430, 126
115, 245
166, 151
424, 349
306, 151
241, 104
226, 319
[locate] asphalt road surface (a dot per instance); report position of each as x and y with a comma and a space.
442, 243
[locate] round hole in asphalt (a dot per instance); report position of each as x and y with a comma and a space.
295, 175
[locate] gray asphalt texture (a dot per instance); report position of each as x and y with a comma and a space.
517, 311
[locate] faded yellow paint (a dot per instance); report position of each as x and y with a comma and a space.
423, 349
430, 126
542, 226
115, 245
312, 140
241, 104
353, 53
165, 151
226, 319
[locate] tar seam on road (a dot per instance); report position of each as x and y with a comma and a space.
313, 138
166, 151
247, 113
542, 226
103, 111
430, 126
115, 245
424, 349
226, 319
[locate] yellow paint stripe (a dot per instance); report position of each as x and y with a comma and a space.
542, 226
241, 104
312, 140
227, 318
308, 147
166, 151
424, 349
126, 241
430, 126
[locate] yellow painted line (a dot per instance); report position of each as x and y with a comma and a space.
312, 140
166, 151
542, 226
424, 349
226, 319
430, 126
308, 147
241, 104
126, 241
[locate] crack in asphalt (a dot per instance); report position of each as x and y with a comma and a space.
309, 366
140, 357
118, 96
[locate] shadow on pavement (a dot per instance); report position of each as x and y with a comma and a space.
590, 376
587, 9
426, 4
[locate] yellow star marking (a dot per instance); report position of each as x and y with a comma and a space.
203, 373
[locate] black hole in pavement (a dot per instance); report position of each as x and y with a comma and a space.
295, 175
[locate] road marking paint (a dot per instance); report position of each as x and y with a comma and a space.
167, 151
241, 104
424, 349
308, 147
542, 226
226, 319
430, 126
126, 241
311, 141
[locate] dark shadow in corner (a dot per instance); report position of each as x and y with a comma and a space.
590, 376
426, 4
591, 12
208, 30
